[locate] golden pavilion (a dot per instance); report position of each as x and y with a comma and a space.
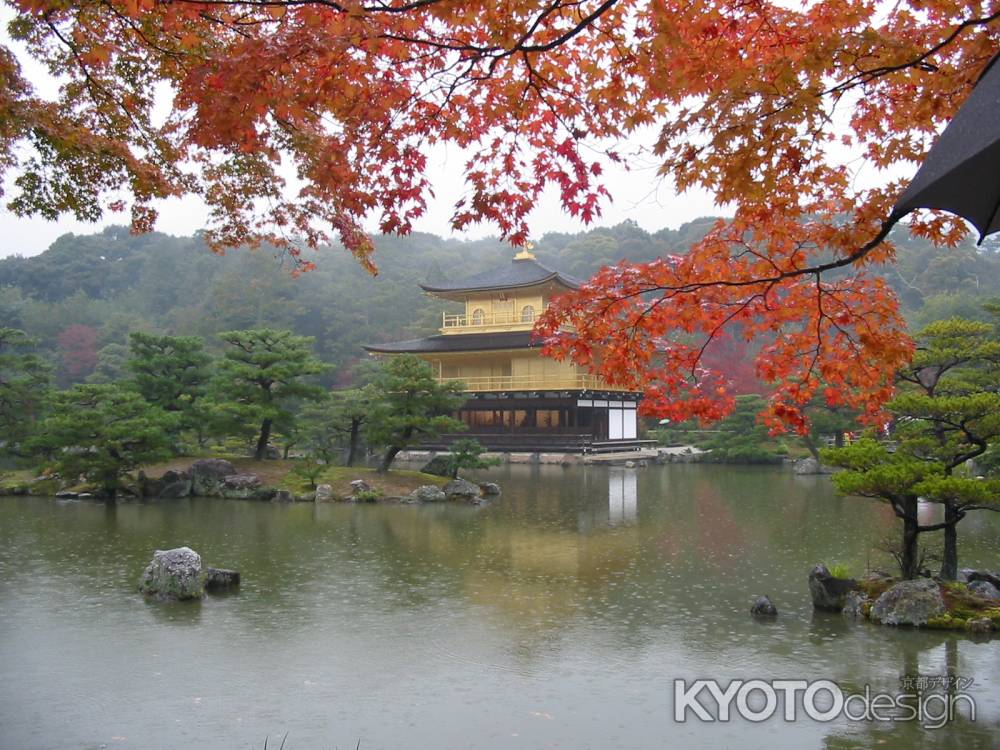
518, 400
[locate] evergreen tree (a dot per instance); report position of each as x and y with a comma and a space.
467, 453
742, 438
24, 379
947, 411
262, 376
101, 432
411, 406
173, 373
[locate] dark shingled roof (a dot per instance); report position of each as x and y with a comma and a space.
456, 342
517, 273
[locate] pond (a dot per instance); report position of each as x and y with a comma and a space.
558, 616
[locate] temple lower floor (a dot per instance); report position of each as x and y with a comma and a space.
563, 421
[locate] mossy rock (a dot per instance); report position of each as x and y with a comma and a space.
946, 622
994, 615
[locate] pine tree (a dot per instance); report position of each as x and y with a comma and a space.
262, 377
411, 406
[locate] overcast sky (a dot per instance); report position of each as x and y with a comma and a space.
638, 195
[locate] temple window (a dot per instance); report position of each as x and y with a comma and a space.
528, 314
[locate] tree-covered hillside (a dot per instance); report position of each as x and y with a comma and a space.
83, 296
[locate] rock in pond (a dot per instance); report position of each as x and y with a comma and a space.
984, 589
208, 476
240, 486
221, 579
172, 485
854, 604
174, 574
979, 625
172, 490
807, 466
460, 489
324, 493
282, 496
489, 488
426, 493
828, 592
909, 603
763, 607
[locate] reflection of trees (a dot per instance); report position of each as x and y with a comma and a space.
929, 655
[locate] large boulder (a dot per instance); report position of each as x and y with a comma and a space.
438, 466
969, 575
828, 593
240, 486
984, 589
459, 489
324, 493
909, 603
763, 607
426, 493
174, 484
208, 475
174, 574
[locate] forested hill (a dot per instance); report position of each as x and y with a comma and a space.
82, 296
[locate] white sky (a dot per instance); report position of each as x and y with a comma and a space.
638, 195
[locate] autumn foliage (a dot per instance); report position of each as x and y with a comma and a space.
295, 120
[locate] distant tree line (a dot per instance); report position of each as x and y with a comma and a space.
81, 298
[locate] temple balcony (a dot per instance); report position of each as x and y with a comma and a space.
484, 322
578, 382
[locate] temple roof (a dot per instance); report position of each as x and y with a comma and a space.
471, 342
522, 271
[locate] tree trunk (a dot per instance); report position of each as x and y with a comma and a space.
838, 439
352, 452
265, 436
109, 487
811, 445
909, 554
391, 451
387, 459
949, 561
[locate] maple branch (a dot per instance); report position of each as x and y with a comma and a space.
865, 76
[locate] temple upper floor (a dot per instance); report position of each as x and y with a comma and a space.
508, 298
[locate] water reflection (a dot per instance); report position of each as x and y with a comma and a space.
579, 595
623, 498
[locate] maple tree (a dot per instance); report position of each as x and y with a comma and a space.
294, 120
77, 346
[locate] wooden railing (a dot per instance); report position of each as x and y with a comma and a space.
579, 382
450, 321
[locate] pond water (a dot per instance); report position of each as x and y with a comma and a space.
558, 616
